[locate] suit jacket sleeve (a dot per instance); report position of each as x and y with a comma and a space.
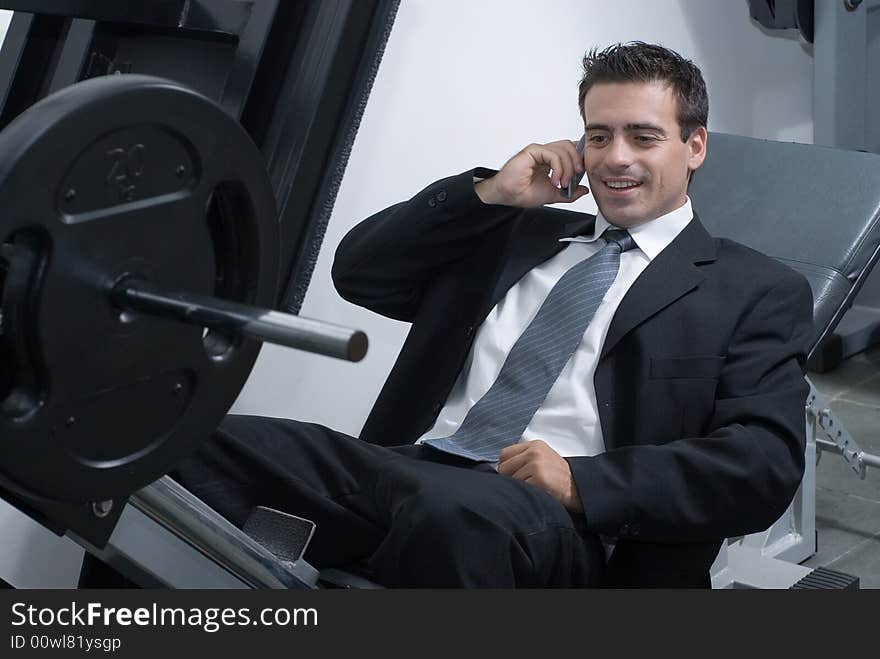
743, 473
385, 262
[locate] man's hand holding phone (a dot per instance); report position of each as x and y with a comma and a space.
540, 174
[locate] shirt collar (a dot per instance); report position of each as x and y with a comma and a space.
651, 237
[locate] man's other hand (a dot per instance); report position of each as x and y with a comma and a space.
536, 463
533, 176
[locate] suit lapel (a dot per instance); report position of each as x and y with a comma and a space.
668, 277
534, 243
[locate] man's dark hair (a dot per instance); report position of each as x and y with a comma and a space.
637, 61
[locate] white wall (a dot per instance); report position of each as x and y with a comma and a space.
466, 83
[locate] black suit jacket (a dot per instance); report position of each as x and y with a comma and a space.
700, 384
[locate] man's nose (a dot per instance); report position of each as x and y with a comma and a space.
619, 154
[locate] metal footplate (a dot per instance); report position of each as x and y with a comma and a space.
287, 537
824, 579
284, 535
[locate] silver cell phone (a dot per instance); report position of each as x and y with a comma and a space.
567, 192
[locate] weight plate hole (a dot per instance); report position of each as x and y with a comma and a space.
217, 345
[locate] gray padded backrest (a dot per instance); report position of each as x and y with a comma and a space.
814, 208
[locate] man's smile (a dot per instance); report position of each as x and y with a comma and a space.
621, 187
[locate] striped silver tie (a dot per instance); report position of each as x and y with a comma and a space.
537, 358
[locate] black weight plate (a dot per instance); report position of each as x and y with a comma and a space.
122, 175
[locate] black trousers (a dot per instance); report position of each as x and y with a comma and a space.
416, 516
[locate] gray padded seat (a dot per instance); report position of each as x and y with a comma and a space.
814, 208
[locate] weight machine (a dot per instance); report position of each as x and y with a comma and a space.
191, 216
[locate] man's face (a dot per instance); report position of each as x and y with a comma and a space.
636, 163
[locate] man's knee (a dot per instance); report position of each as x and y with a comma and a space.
466, 538
438, 540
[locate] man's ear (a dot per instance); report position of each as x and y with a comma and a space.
696, 143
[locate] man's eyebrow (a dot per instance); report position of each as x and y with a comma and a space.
651, 127
627, 127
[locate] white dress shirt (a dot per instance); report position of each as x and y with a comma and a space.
568, 419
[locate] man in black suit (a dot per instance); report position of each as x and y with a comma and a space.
676, 422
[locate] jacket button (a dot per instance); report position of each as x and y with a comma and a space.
441, 196
437, 408
469, 331
624, 529
432, 202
